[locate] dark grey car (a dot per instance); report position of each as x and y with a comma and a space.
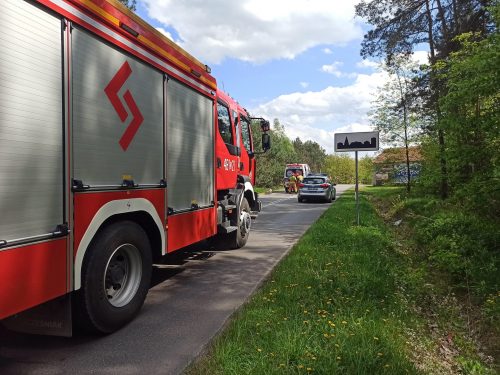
317, 187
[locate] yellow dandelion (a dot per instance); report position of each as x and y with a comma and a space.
344, 322
339, 358
300, 366
309, 369
326, 334
375, 338
259, 349
380, 354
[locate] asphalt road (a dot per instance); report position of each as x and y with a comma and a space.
193, 296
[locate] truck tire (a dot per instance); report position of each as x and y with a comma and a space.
116, 276
240, 237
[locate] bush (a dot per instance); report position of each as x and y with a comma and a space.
464, 245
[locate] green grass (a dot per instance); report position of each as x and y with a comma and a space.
357, 300
331, 307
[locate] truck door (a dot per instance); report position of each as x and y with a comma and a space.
247, 160
227, 152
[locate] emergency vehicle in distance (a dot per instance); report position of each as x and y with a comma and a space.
116, 148
302, 169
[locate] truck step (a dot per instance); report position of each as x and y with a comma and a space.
227, 230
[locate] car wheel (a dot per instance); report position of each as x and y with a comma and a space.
244, 222
286, 190
116, 276
300, 200
334, 195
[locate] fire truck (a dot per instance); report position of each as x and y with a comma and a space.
116, 149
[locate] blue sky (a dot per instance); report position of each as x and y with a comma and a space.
295, 60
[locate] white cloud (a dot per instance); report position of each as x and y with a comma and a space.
368, 64
165, 32
421, 57
304, 84
317, 115
327, 51
333, 68
256, 30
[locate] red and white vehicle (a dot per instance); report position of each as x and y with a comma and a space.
292, 169
113, 153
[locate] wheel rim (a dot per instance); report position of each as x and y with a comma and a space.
245, 223
122, 275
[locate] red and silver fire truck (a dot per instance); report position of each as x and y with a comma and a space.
116, 148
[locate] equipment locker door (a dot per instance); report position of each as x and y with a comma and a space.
190, 148
31, 122
33, 265
117, 115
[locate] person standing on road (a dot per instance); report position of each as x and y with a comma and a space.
292, 183
300, 178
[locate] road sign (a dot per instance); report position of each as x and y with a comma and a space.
361, 141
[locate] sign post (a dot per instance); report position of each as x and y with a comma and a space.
361, 141
357, 189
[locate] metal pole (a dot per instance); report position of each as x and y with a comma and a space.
357, 190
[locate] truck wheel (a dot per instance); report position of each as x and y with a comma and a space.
116, 276
240, 236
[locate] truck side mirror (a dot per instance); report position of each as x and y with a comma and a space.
266, 142
264, 125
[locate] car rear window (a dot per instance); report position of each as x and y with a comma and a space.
314, 180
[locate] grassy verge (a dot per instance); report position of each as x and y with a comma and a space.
452, 280
345, 301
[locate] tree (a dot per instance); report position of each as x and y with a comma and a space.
393, 114
399, 25
471, 117
365, 170
131, 4
271, 165
310, 153
341, 168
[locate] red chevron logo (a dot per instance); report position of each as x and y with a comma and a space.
111, 91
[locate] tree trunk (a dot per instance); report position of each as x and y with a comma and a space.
404, 102
408, 174
434, 89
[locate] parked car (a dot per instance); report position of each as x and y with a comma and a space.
317, 187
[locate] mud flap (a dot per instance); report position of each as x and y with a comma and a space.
51, 318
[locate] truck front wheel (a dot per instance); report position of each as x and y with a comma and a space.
244, 222
116, 276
